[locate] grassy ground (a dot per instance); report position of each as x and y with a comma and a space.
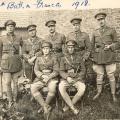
102, 108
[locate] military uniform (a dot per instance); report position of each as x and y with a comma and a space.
31, 48
11, 64
82, 39
45, 66
104, 59
10, 58
83, 44
57, 40
72, 66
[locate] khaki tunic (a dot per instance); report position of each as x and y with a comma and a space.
50, 64
58, 42
10, 53
99, 40
72, 66
83, 43
30, 49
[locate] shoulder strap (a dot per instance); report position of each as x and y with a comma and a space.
68, 61
42, 60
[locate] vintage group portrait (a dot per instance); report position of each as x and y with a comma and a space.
60, 64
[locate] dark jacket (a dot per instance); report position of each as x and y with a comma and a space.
74, 68
83, 43
99, 40
58, 42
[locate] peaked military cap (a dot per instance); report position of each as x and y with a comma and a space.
46, 44
71, 43
31, 27
10, 22
100, 15
76, 21
50, 23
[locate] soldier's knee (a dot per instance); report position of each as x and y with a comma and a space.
81, 88
62, 87
111, 76
100, 76
52, 86
33, 89
52, 90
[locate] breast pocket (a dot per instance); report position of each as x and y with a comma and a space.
5, 62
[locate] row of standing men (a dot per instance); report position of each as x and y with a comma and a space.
69, 56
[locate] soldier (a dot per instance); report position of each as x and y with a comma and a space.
104, 43
72, 71
82, 39
31, 49
46, 70
57, 39
11, 64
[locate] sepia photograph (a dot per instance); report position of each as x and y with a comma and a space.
60, 64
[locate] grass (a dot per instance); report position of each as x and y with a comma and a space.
102, 108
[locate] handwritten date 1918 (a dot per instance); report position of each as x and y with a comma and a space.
80, 3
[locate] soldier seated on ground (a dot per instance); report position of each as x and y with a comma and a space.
46, 70
72, 71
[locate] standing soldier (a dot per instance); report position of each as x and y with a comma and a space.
82, 39
104, 43
11, 64
31, 49
57, 39
72, 71
46, 69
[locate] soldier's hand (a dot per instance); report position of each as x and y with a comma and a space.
46, 80
44, 76
107, 47
31, 60
70, 80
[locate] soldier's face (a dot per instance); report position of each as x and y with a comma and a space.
76, 27
46, 50
101, 22
10, 28
32, 33
51, 29
70, 49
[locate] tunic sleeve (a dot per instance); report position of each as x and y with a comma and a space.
55, 69
63, 41
81, 75
63, 74
37, 71
88, 47
116, 44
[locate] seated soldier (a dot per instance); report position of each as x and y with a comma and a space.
72, 71
46, 70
